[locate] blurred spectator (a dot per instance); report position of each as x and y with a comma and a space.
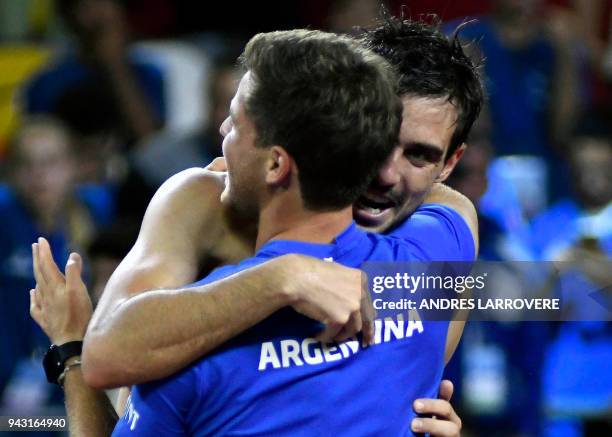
588, 215
496, 365
107, 97
115, 91
594, 26
40, 200
470, 179
499, 240
168, 153
531, 77
578, 233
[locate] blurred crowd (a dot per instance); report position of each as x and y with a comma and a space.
102, 100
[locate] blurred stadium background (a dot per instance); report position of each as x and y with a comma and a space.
101, 101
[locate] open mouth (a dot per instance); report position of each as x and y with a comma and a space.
373, 210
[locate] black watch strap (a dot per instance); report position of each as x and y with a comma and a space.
56, 357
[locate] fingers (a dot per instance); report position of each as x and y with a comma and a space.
329, 333
440, 408
36, 264
446, 390
33, 303
34, 306
35, 293
50, 273
368, 313
361, 320
368, 333
435, 427
74, 268
352, 327
41, 285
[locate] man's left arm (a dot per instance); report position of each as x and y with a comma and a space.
63, 312
63, 315
442, 194
451, 219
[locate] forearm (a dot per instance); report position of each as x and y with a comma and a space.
90, 413
155, 334
132, 102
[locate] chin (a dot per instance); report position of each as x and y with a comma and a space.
375, 229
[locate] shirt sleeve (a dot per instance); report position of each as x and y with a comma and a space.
159, 408
437, 232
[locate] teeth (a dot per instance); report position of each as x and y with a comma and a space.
374, 210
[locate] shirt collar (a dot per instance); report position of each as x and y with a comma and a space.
343, 242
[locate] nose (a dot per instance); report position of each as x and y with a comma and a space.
388, 174
223, 129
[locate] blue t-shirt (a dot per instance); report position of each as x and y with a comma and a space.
276, 379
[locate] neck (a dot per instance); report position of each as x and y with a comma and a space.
284, 219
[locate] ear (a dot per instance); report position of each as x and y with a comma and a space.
450, 163
278, 166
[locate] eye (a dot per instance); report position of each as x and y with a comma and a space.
421, 155
417, 156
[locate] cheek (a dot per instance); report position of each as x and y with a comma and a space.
416, 180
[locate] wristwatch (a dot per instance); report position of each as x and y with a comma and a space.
56, 357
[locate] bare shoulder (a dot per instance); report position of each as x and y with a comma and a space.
186, 216
183, 206
192, 194
191, 184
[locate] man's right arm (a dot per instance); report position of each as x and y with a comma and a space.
145, 328
154, 334
166, 252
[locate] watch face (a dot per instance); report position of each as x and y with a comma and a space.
52, 365
56, 356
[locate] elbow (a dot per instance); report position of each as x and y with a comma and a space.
102, 366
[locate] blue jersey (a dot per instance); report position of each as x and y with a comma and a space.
275, 379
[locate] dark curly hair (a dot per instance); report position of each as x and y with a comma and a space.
330, 102
431, 64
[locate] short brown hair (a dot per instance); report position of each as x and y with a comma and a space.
330, 102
